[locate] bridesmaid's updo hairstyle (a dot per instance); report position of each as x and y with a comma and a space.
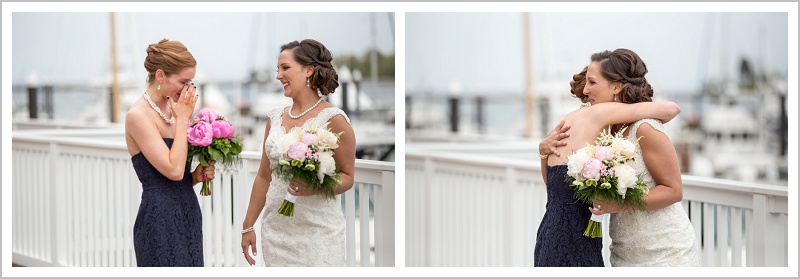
577, 84
169, 56
625, 66
310, 52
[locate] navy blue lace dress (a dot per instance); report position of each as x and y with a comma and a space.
168, 229
560, 240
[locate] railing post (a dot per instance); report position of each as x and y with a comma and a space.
427, 207
57, 204
350, 219
508, 218
759, 229
384, 249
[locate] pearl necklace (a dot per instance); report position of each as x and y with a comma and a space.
304, 113
153, 105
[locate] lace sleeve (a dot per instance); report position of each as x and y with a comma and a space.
326, 114
275, 116
655, 123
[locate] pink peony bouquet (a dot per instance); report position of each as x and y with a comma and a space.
306, 154
211, 137
603, 170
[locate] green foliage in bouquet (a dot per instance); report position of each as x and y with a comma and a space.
307, 173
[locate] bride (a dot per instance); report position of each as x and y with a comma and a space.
315, 235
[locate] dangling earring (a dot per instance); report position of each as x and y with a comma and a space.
615, 97
159, 87
308, 83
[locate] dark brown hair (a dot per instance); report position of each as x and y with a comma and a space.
169, 56
577, 84
625, 66
310, 52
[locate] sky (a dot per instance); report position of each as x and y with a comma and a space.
483, 52
75, 47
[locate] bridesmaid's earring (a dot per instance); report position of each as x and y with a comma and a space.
159, 87
615, 97
308, 83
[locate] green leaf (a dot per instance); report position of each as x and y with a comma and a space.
213, 153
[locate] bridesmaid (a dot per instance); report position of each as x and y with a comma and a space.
168, 227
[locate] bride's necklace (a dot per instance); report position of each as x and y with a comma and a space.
304, 113
153, 105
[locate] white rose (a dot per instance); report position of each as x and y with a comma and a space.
327, 165
626, 178
327, 139
576, 161
627, 148
282, 145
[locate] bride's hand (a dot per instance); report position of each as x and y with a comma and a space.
548, 145
298, 188
249, 241
601, 207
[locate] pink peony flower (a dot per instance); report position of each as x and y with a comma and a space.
298, 151
200, 134
222, 129
592, 168
207, 115
603, 153
310, 139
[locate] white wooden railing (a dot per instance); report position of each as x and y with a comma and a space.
76, 196
481, 205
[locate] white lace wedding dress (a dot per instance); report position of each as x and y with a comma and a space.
662, 237
315, 235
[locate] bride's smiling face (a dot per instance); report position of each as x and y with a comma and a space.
598, 89
291, 74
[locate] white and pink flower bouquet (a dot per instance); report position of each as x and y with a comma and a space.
211, 137
603, 170
306, 155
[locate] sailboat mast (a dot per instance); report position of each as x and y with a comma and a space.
115, 84
529, 100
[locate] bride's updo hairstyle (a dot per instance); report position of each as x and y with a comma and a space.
625, 66
169, 56
577, 84
310, 52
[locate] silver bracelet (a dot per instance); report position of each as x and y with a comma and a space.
247, 230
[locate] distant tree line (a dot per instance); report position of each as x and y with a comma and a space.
362, 63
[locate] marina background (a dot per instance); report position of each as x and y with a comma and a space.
64, 61
727, 71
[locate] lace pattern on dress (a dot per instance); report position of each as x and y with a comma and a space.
662, 237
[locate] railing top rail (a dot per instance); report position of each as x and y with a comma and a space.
475, 159
66, 139
534, 165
